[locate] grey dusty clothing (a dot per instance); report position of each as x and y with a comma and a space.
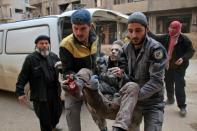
116, 107
119, 108
73, 110
109, 84
153, 117
147, 70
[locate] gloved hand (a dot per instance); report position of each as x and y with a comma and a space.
101, 64
94, 82
58, 66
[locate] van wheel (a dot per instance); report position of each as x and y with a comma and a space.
27, 93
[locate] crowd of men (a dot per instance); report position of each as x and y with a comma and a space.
127, 86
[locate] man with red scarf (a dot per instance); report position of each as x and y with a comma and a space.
180, 50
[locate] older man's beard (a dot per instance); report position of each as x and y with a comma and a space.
44, 52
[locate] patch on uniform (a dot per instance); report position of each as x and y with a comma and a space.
158, 54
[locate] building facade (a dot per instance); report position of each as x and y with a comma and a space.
14, 10
106, 31
161, 12
50, 7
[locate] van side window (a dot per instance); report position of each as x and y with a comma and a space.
1, 41
67, 29
21, 41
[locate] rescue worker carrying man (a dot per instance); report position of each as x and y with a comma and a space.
147, 59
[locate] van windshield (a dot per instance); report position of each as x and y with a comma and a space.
66, 28
106, 30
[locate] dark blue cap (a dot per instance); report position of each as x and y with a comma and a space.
81, 16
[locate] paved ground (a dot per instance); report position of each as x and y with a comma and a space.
15, 117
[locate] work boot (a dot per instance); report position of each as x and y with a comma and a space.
93, 83
117, 129
169, 101
183, 112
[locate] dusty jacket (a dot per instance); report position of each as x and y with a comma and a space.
147, 69
74, 55
35, 72
109, 83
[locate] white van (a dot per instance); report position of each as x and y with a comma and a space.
17, 39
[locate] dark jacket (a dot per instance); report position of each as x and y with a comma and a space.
183, 49
110, 84
74, 55
37, 74
147, 69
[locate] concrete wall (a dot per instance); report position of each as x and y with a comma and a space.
152, 8
8, 8
154, 5
18, 4
105, 4
65, 1
157, 5
6, 2
33, 2
155, 8
152, 23
194, 21
88, 3
153, 15
128, 8
5, 11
